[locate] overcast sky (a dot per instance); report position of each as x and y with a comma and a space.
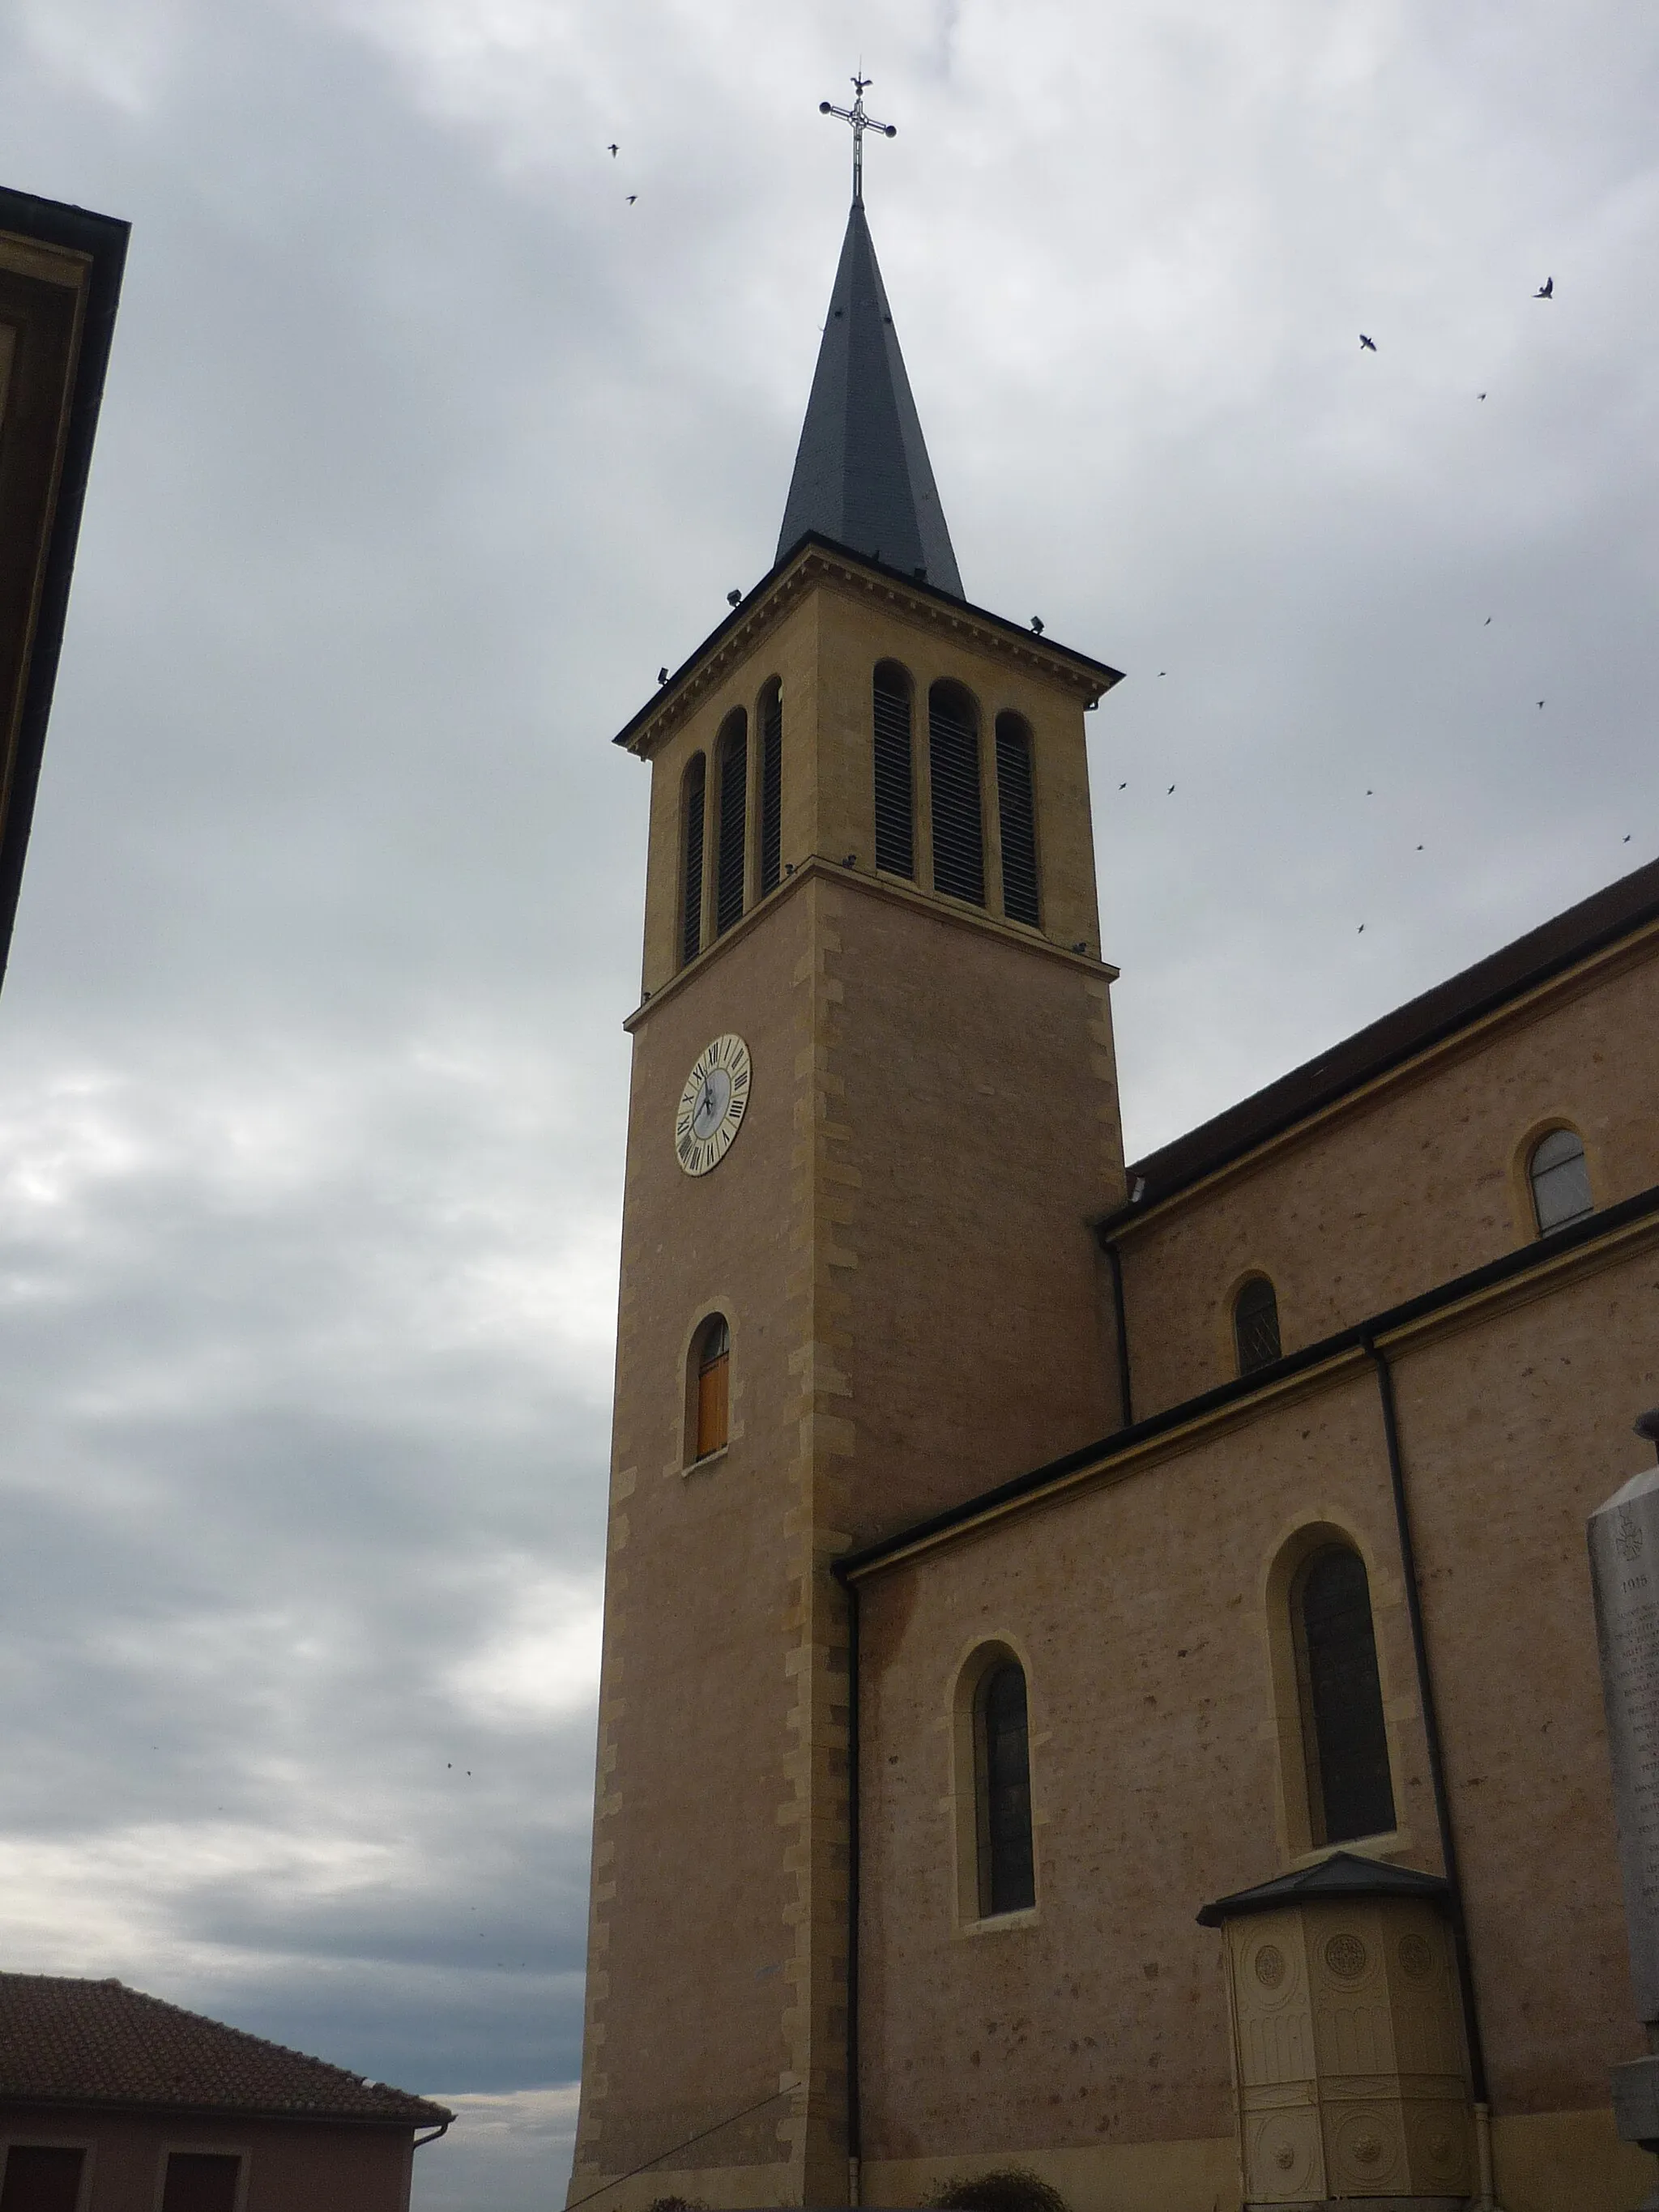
421, 450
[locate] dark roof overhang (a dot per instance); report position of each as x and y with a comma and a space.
45, 455
1344, 1874
1609, 1223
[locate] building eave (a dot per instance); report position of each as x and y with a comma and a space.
815, 559
1568, 1252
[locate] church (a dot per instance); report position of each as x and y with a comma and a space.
1099, 1675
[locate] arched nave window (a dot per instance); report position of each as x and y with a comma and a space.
895, 846
1559, 1176
1256, 1325
711, 1402
693, 793
1344, 1737
1007, 1869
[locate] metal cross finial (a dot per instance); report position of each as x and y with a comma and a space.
861, 123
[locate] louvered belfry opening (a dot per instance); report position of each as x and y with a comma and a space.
1017, 814
733, 803
692, 795
958, 826
896, 844
771, 786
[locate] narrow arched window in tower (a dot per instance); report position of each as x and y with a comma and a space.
896, 844
1344, 1738
1559, 1176
771, 786
732, 816
958, 825
1007, 1869
1256, 1325
692, 794
1017, 815
711, 1407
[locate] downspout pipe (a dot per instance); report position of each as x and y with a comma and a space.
854, 2116
1483, 2201
1121, 1318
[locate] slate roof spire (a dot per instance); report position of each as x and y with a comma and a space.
862, 476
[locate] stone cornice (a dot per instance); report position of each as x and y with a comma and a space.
815, 867
817, 562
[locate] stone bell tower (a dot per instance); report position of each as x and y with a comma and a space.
874, 1111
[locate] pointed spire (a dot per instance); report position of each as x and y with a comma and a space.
862, 476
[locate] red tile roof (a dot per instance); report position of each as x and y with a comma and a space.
100, 2043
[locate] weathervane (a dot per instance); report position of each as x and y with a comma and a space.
861, 123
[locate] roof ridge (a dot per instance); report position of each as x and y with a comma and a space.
311, 2081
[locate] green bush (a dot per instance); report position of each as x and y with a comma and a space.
1010, 2189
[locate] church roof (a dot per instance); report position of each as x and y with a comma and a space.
1618, 911
1344, 1874
68, 2041
862, 476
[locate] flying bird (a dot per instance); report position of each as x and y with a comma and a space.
1540, 702
1487, 623
1170, 791
1123, 786
1545, 290
1162, 671
613, 153
1479, 395
1360, 931
632, 196
1367, 346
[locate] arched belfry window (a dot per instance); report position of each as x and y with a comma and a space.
1344, 1737
711, 1394
1256, 1325
953, 763
771, 786
693, 794
1559, 1176
1016, 817
732, 804
1007, 1866
896, 844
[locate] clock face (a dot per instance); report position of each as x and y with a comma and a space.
711, 1105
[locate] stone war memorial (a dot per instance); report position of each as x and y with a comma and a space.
1624, 1544
1101, 1707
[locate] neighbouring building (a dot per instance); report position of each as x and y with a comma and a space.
1015, 1554
60, 278
111, 2101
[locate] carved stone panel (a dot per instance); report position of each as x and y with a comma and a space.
1348, 2043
